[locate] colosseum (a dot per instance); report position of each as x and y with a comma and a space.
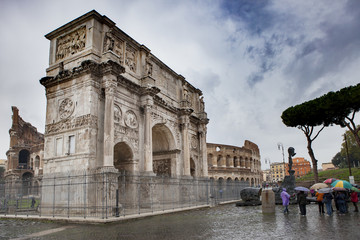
234, 163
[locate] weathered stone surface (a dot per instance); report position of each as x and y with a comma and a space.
25, 155
112, 104
268, 201
234, 163
250, 197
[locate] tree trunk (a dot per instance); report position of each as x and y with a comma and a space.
313, 159
353, 129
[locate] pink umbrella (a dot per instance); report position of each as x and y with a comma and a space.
330, 180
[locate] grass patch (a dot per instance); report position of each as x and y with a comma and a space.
342, 173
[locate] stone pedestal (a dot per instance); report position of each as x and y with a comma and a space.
268, 201
289, 183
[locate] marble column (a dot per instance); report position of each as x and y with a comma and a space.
110, 86
203, 152
148, 158
222, 161
214, 161
231, 161
185, 121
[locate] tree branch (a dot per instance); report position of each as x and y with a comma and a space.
318, 133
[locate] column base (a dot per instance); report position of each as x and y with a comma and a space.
148, 174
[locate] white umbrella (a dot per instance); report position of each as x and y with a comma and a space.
325, 190
304, 189
318, 186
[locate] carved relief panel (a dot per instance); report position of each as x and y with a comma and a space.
114, 44
71, 43
126, 127
194, 142
131, 119
162, 167
72, 123
149, 69
117, 114
66, 108
130, 58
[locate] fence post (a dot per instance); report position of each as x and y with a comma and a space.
84, 194
138, 188
163, 192
151, 195
54, 199
106, 196
117, 203
103, 198
68, 195
124, 190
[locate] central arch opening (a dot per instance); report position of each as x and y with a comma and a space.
163, 146
123, 156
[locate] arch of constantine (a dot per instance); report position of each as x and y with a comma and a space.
112, 104
122, 129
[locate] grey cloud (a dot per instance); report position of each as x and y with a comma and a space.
254, 14
328, 55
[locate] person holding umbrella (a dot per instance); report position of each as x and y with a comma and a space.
354, 199
328, 200
285, 200
302, 202
319, 199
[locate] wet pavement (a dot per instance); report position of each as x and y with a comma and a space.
222, 222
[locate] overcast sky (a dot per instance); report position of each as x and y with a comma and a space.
252, 60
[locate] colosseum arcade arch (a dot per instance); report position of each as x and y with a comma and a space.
164, 151
123, 157
24, 157
26, 183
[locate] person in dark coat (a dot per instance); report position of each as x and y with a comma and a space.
327, 200
301, 197
340, 199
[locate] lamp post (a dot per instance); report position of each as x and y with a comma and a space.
281, 147
267, 160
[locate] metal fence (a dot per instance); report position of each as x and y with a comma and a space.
106, 194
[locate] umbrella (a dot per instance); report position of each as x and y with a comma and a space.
341, 183
339, 189
317, 186
325, 190
354, 189
330, 180
302, 189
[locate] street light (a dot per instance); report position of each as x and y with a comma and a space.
267, 160
280, 146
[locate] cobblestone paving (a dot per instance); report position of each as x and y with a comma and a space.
222, 222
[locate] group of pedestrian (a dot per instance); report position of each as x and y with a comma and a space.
322, 199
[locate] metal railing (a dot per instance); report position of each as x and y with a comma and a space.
106, 194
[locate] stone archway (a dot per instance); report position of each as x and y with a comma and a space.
123, 157
26, 183
192, 168
164, 151
37, 162
24, 157
210, 160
